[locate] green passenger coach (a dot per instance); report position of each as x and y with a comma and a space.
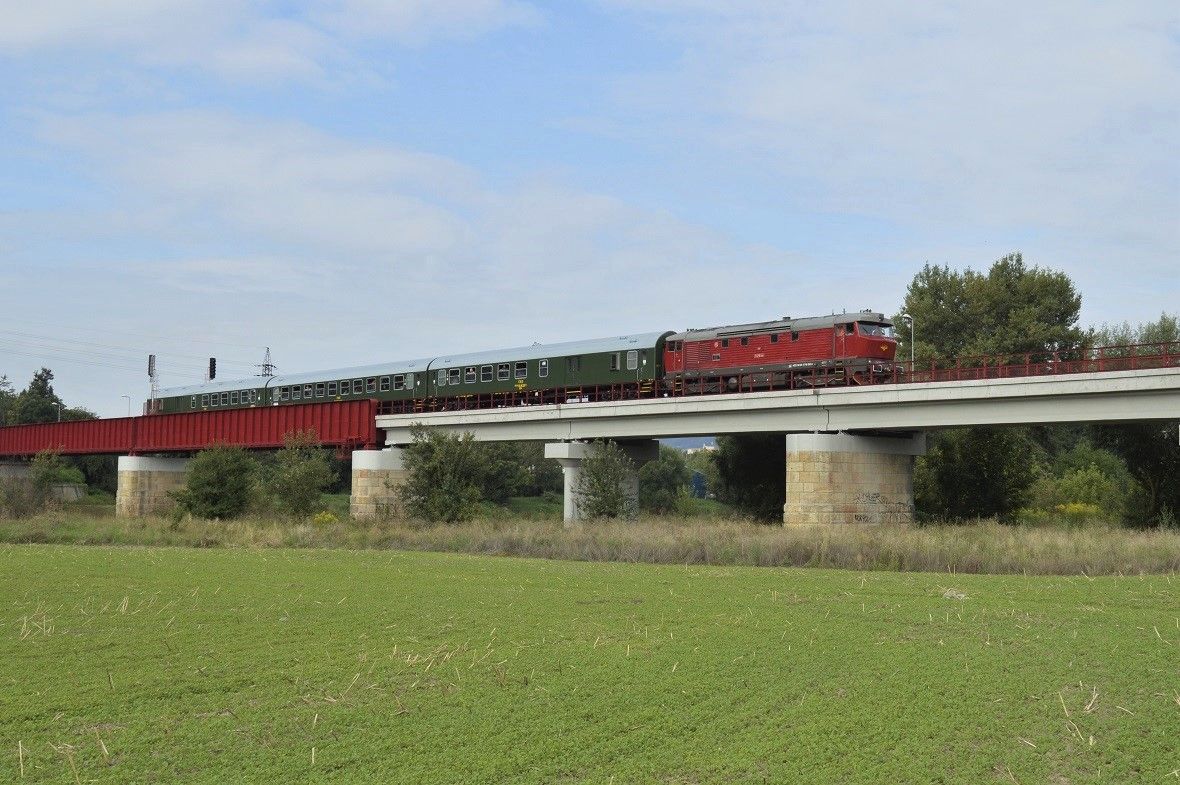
602, 369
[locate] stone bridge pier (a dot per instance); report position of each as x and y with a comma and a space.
841, 478
144, 484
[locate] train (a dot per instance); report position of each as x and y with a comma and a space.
849, 348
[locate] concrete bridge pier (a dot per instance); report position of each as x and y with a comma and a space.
377, 478
144, 484
571, 455
841, 478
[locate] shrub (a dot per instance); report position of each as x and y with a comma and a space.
301, 471
662, 482
443, 476
219, 485
604, 488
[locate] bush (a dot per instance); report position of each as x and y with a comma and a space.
663, 482
219, 485
604, 486
443, 476
301, 471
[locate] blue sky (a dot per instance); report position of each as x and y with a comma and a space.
350, 181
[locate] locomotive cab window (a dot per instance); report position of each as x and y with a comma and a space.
774, 337
543, 368
469, 376
745, 340
503, 372
358, 386
724, 343
794, 335
522, 369
633, 360
486, 373
384, 384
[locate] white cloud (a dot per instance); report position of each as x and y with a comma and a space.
247, 41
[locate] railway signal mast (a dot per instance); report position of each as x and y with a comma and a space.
153, 381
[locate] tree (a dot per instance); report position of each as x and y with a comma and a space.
37, 402
443, 476
219, 485
300, 473
663, 482
604, 487
752, 473
7, 400
1149, 449
1012, 309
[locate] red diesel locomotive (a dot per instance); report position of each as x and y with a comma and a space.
820, 351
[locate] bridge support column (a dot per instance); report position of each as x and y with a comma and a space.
839, 478
144, 484
571, 454
377, 478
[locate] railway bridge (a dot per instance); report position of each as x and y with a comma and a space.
849, 450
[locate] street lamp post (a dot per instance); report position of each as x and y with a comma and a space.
909, 320
128, 397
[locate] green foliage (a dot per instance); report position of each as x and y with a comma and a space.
663, 483
220, 484
299, 474
1009, 310
604, 486
37, 402
752, 474
970, 473
505, 469
444, 476
7, 401
703, 461
49, 468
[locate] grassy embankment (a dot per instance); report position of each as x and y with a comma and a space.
247, 665
985, 547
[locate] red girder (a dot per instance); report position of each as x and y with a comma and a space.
345, 425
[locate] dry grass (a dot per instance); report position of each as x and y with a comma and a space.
985, 547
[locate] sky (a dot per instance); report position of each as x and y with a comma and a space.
353, 181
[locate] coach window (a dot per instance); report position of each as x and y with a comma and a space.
399, 382
543, 368
205, 399
213, 401
441, 381
192, 402
308, 391
453, 375
410, 381
233, 398
632, 360
384, 384
225, 399
296, 393
614, 361
486, 373
503, 372
522, 369
573, 364
371, 384
284, 393
332, 389
469, 376
358, 386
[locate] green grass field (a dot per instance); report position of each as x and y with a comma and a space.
143, 665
